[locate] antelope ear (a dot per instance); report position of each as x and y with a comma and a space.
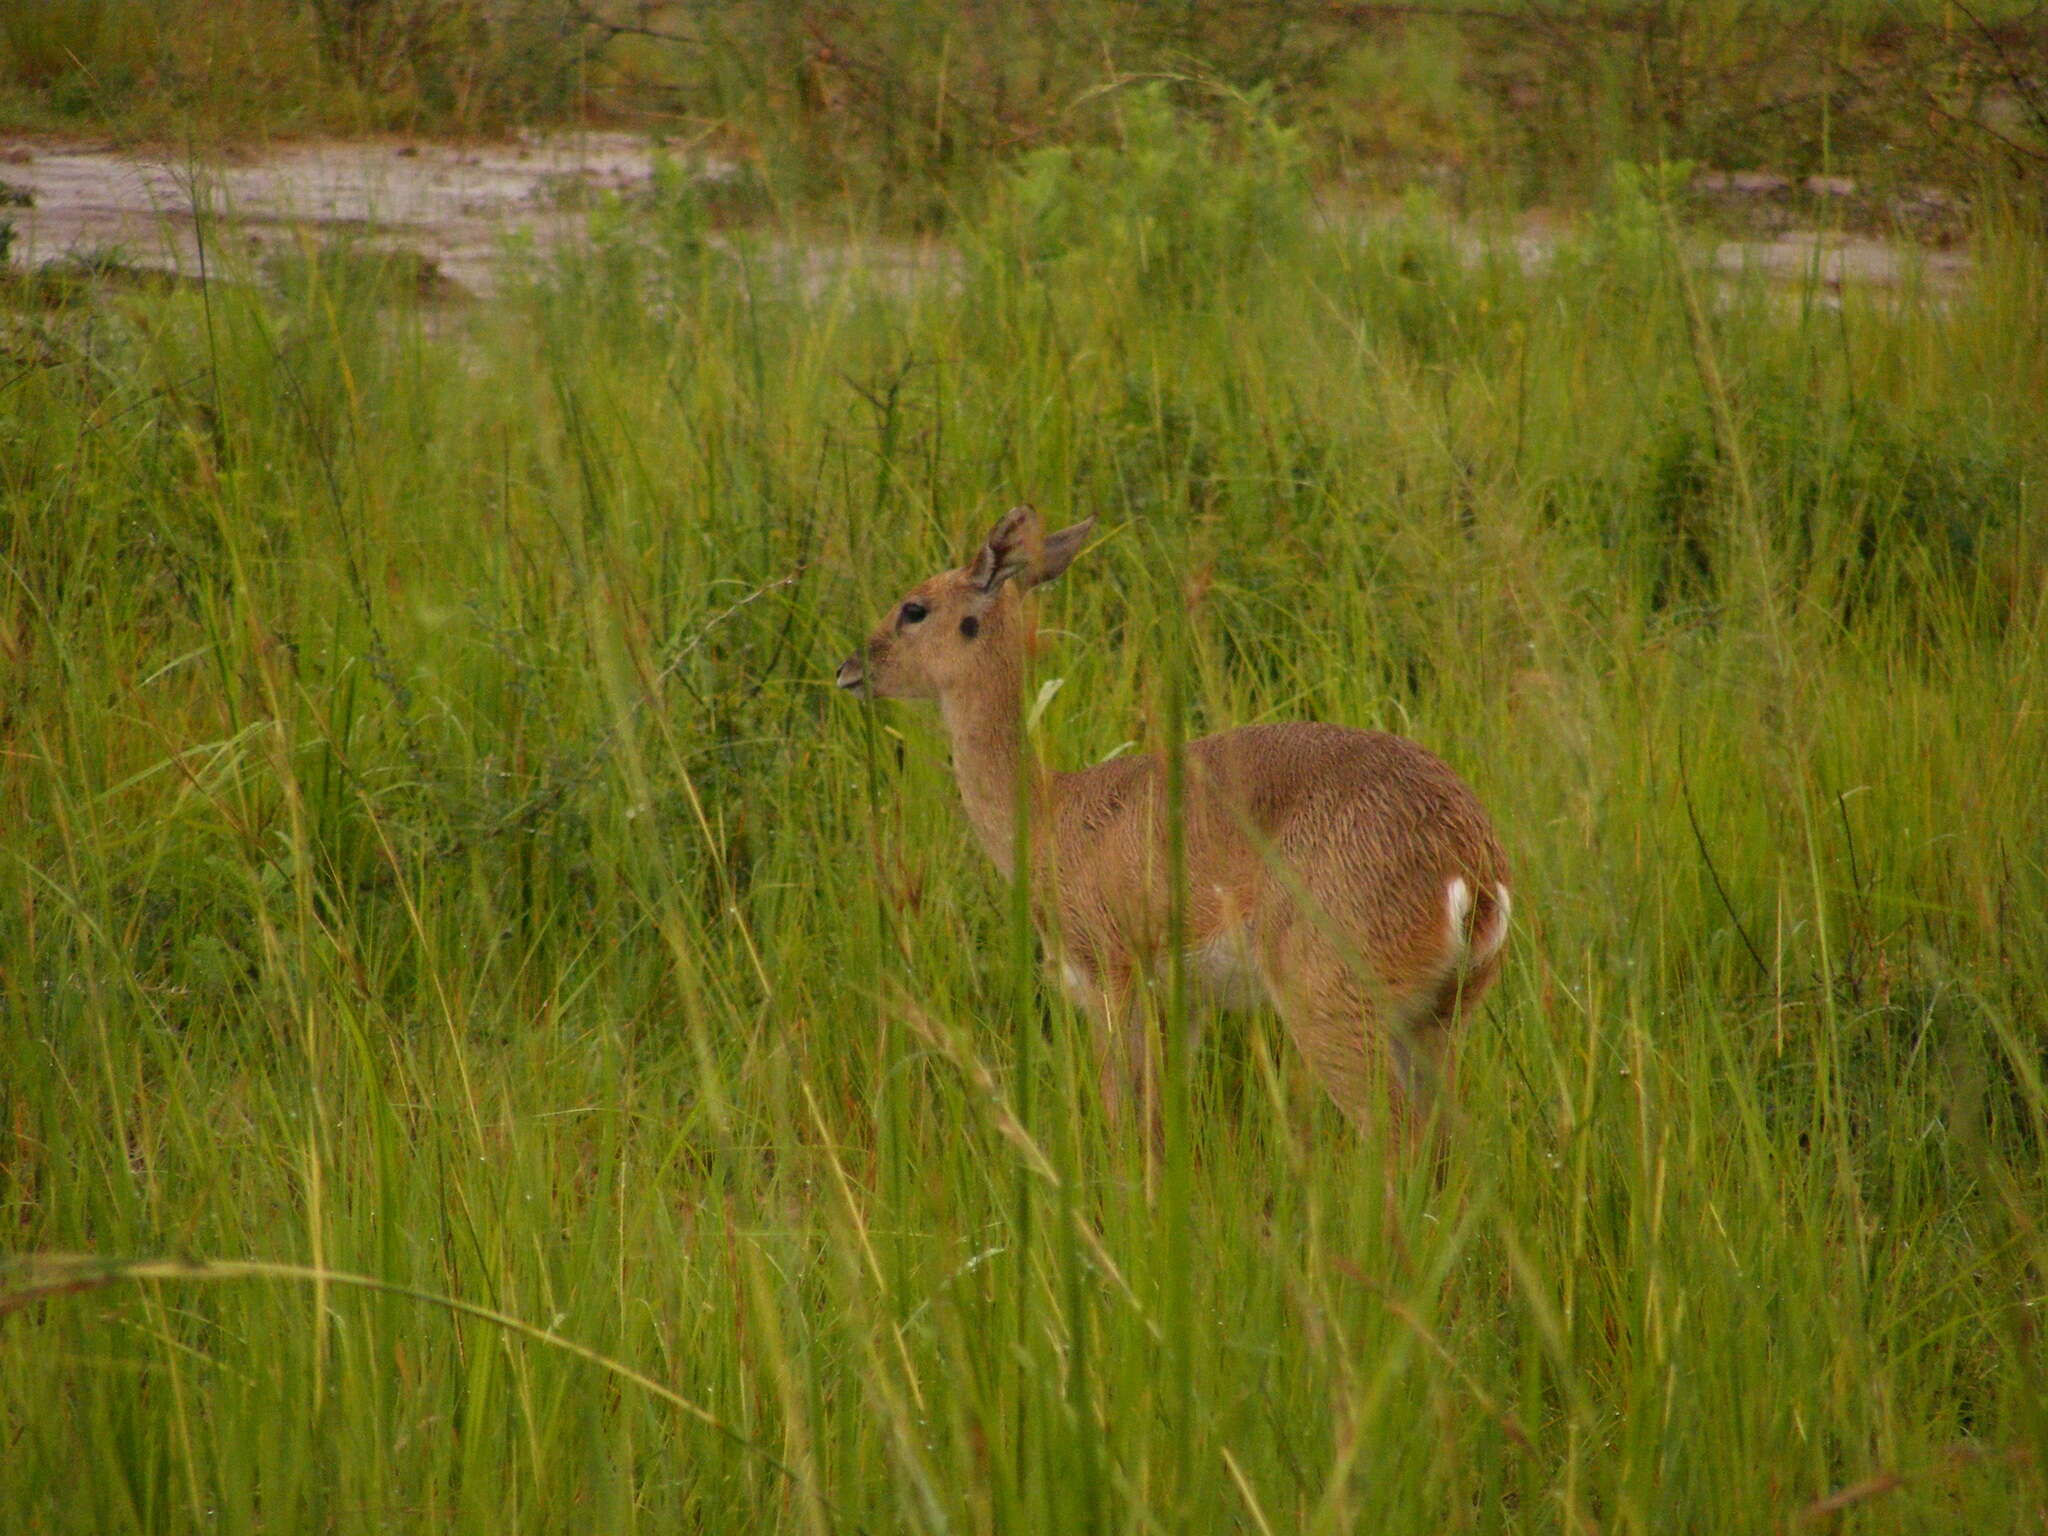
1011, 552
1060, 549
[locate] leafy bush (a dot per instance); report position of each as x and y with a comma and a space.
1174, 202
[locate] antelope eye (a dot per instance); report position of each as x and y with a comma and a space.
913, 613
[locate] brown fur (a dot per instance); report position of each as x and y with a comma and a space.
1320, 859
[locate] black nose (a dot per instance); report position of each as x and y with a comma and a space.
851, 673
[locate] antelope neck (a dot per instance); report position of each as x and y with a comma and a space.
988, 754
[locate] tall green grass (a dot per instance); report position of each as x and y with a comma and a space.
565, 1068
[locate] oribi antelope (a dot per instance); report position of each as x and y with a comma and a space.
1347, 876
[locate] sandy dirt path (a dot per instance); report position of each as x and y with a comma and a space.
455, 206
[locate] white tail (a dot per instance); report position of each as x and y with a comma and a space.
1475, 945
1347, 876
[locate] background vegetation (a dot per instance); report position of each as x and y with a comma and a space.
904, 108
515, 1050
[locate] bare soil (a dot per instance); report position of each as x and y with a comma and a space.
450, 205
453, 207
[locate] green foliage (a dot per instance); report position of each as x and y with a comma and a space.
433, 860
1173, 200
47, 39
466, 61
1630, 225
201, 69
912, 110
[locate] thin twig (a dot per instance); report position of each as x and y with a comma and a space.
584, 16
2021, 83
